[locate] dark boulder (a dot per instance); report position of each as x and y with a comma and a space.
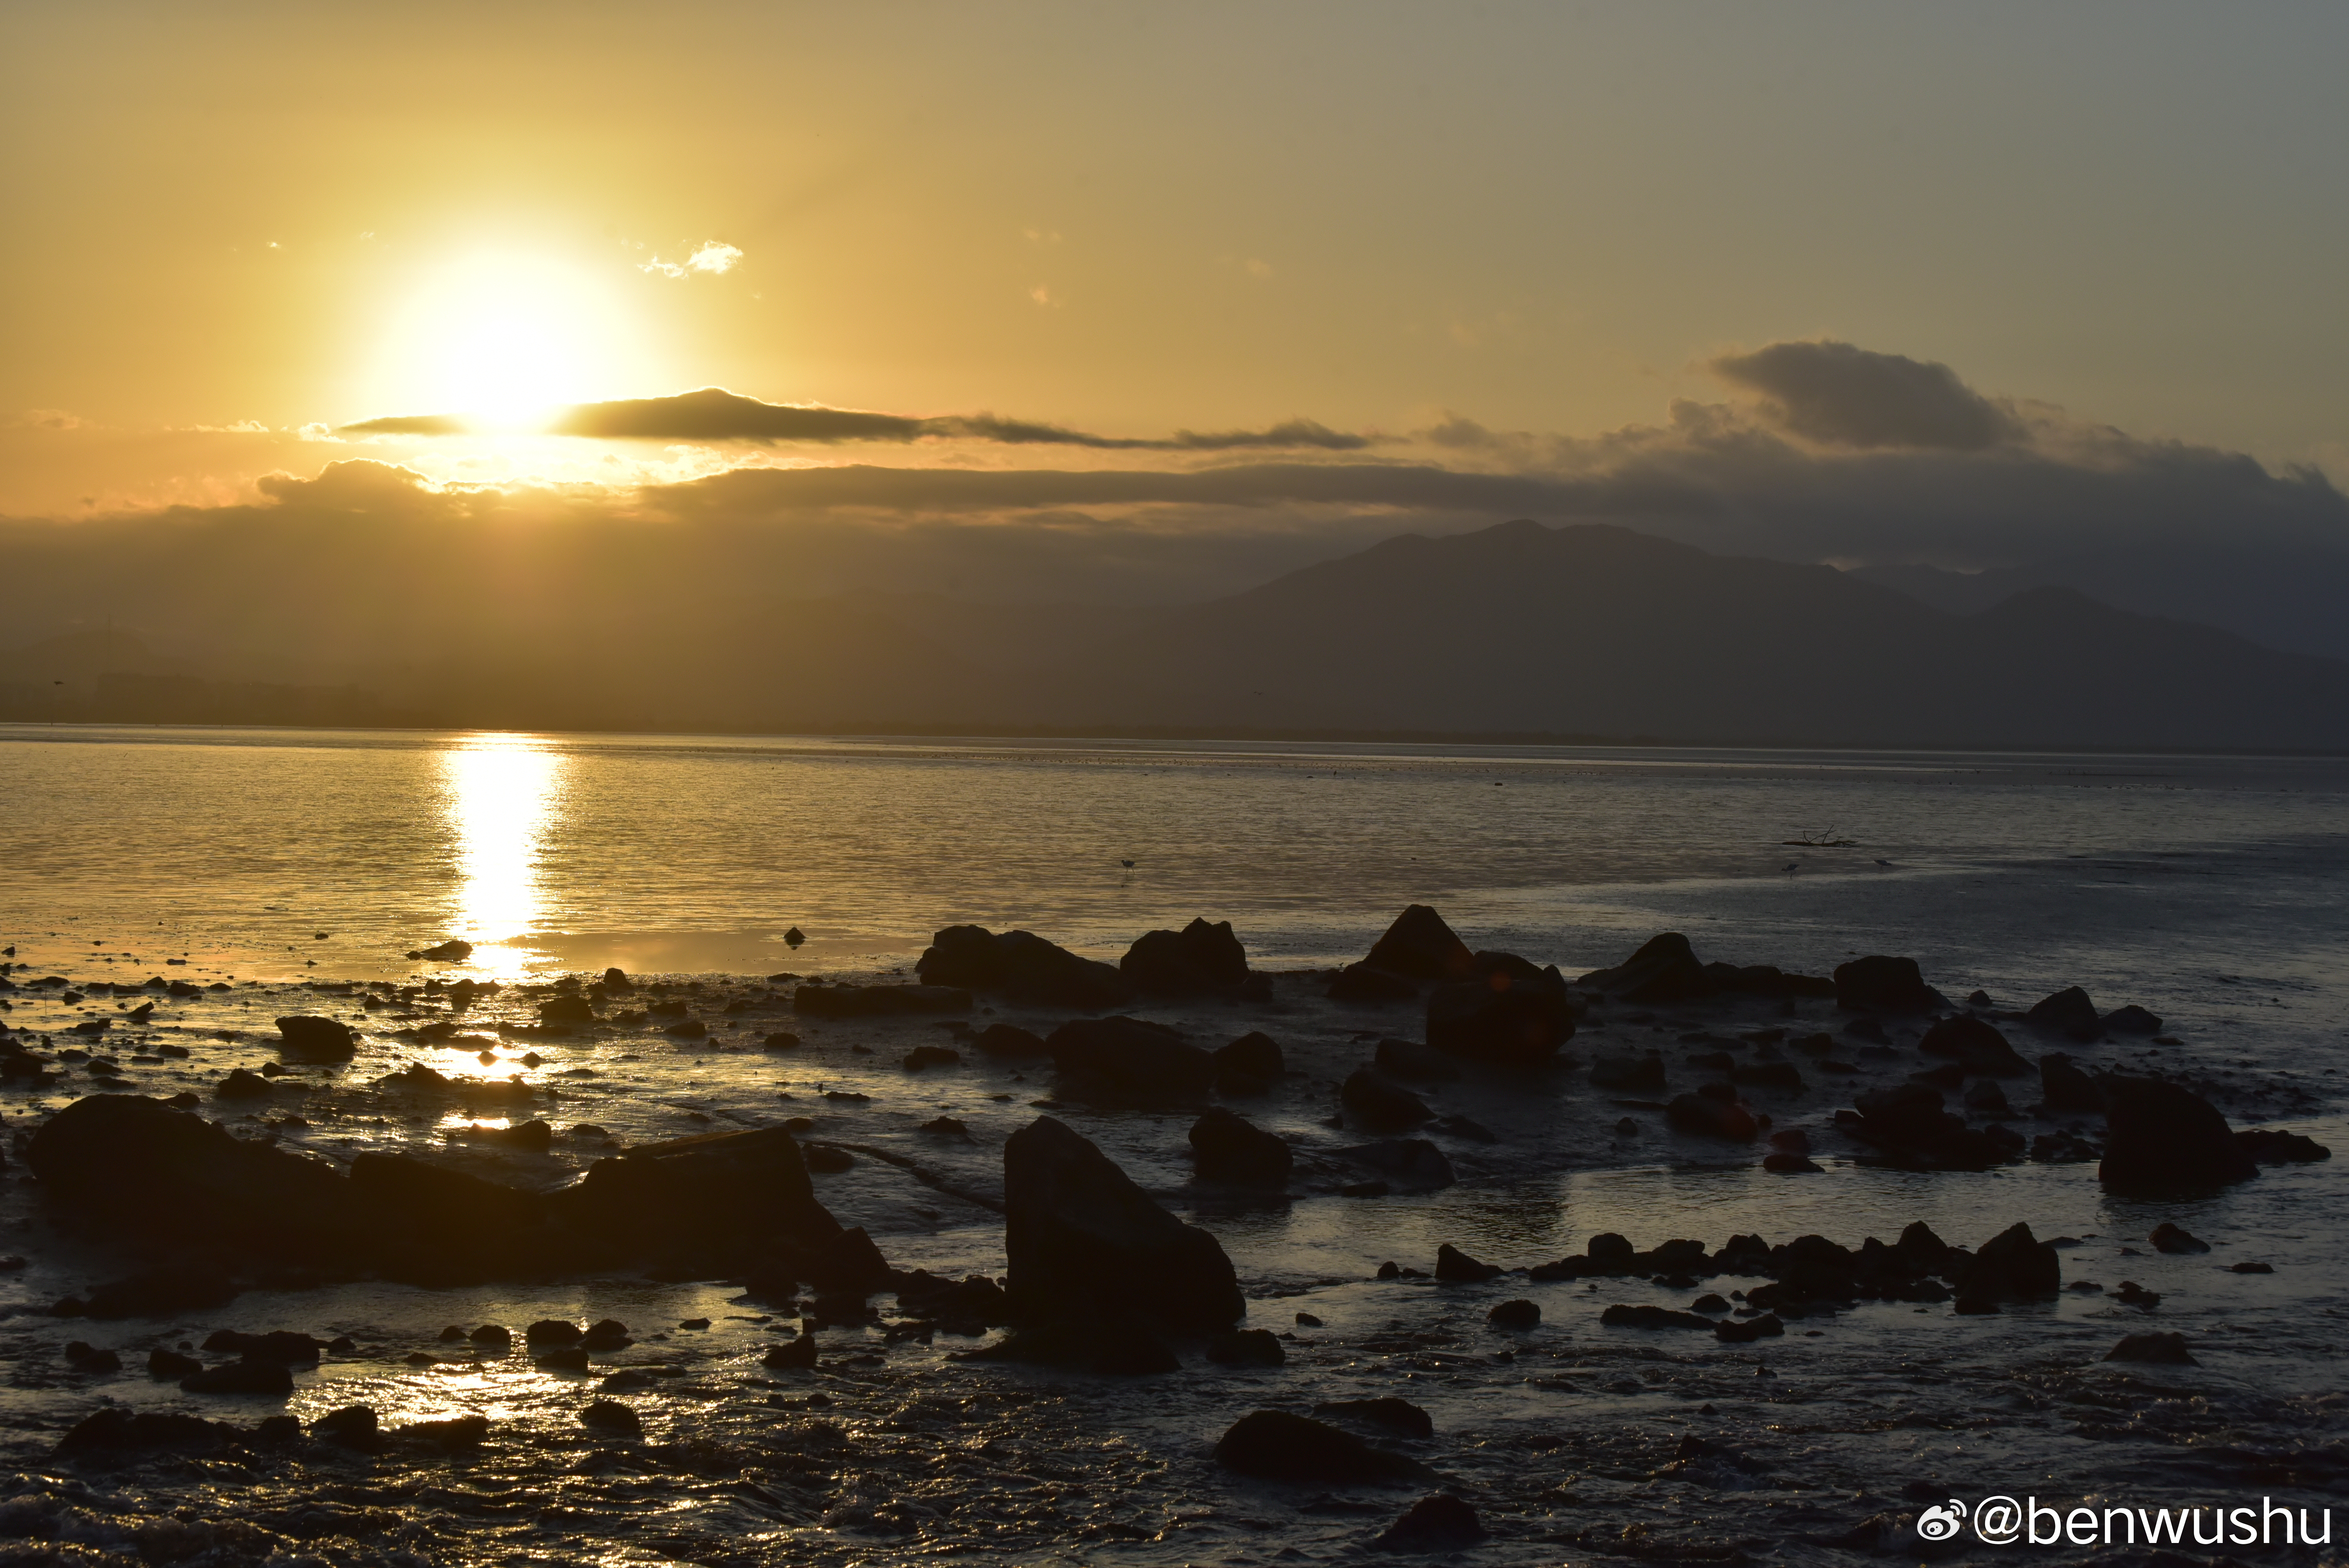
141, 1165
2063, 1086
1009, 1042
1410, 1164
2132, 1020
815, 1001
562, 1012
723, 1192
434, 1225
306, 1039
1410, 1059
267, 1379
1515, 1315
922, 1057
2013, 1265
1421, 946
1198, 960
113, 1429
1123, 1058
1366, 985
283, 1345
2068, 1012
1245, 1347
1021, 965
1273, 1445
244, 1084
1907, 1126
1229, 1147
1377, 1102
2275, 1146
165, 1290
1438, 1522
611, 1415
1977, 1047
1665, 969
453, 951
350, 1427
1086, 1244
2155, 1349
1510, 1018
2162, 1139
1881, 984
1623, 1315
1250, 1064
2172, 1238
1387, 1413
1455, 1267
1766, 980
1712, 1115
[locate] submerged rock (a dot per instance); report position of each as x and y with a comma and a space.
2013, 1265
2170, 1238
2275, 1146
1512, 1015
721, 1191
2067, 1012
1229, 1147
2132, 1020
2155, 1348
2162, 1139
1883, 985
2063, 1086
1438, 1522
306, 1039
1387, 1413
1198, 960
1976, 1047
1273, 1445
1380, 1103
1125, 1059
1085, 1244
1628, 1075
1665, 969
1250, 1064
1245, 1347
1410, 1164
1457, 1268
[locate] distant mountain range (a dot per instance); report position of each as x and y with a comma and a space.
1585, 631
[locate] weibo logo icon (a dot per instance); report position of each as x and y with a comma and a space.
1941, 1522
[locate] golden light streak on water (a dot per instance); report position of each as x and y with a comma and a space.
500, 793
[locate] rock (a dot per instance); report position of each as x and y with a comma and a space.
306, 1039
2170, 1238
1123, 1058
284, 1346
2063, 1087
798, 1354
562, 1012
818, 1001
1766, 980
1086, 1244
924, 1056
1978, 1049
1908, 1127
611, 1415
461, 1432
241, 1084
1250, 1064
91, 1361
780, 1041
2251, 1268
493, 1336
162, 1292
2013, 1265
1367, 984
1227, 1148
2067, 1012
2156, 1349
617, 982
1986, 1098
1273, 1445
268, 1378
1512, 1016
1515, 1315
1711, 1116
1388, 1413
1410, 1059
948, 1127
1412, 1164
562, 1358
110, 1158
554, 1331
1421, 946
2129, 1293
1021, 965
1882, 984
2162, 1139
1438, 1522
1455, 1266
825, 1160
351, 1426
1377, 1102
727, 1191
1789, 1164
1009, 1042
1745, 1331
2131, 1020
1199, 960
423, 1222
171, 1363
113, 1429
2274, 1146
1625, 1316
1245, 1347
1665, 969
606, 1334
1628, 1075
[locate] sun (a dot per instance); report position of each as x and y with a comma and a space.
505, 337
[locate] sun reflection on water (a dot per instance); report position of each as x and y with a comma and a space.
501, 792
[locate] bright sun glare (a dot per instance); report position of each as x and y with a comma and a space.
506, 337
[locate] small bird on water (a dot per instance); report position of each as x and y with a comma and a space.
1791, 866
1127, 864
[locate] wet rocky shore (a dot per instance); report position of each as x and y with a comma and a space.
1039, 1256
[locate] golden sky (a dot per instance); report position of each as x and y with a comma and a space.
1133, 220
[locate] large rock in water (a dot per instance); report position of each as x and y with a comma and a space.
1881, 984
306, 1039
1229, 1147
725, 1191
1122, 1059
1198, 960
2063, 1086
1086, 1245
429, 1225
1976, 1047
1380, 1103
2013, 1265
2162, 1139
1665, 969
127, 1162
1021, 965
1274, 1445
1511, 1014
1420, 945
2068, 1012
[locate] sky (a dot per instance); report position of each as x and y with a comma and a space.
1482, 238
